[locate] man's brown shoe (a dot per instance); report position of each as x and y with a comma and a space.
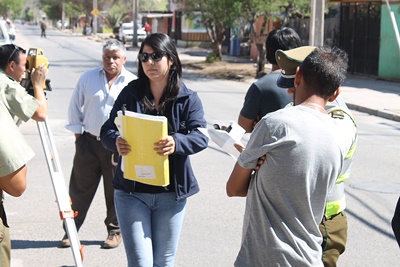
65, 242
112, 240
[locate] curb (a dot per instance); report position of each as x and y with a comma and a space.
374, 112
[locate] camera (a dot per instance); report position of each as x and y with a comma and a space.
34, 59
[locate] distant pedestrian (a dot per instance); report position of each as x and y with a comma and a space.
11, 30
147, 28
43, 27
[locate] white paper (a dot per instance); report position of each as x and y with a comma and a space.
147, 172
227, 140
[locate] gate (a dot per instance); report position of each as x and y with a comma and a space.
360, 36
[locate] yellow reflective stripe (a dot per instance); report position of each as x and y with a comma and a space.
350, 153
334, 207
343, 177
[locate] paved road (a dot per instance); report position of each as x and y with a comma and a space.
212, 228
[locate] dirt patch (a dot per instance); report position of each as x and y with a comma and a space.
225, 70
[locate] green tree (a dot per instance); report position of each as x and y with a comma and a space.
53, 12
11, 8
115, 15
217, 16
73, 10
270, 10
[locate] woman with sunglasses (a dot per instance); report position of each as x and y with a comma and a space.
151, 217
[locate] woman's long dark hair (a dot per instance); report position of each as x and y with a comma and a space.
160, 42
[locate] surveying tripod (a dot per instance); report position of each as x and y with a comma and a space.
60, 190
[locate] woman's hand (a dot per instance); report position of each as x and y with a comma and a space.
165, 146
122, 146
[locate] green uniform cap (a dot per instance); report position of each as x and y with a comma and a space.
288, 61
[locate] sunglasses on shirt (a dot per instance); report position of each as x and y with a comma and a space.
156, 56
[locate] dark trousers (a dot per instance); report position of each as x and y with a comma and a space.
91, 162
396, 222
334, 233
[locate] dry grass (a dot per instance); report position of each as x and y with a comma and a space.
225, 70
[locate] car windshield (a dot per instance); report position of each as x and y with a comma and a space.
128, 27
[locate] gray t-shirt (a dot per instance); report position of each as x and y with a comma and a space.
286, 197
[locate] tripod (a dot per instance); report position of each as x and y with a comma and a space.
63, 199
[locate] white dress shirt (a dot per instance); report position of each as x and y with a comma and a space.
92, 101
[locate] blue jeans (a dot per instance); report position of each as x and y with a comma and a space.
150, 225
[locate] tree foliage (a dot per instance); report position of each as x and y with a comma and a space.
217, 17
270, 10
12, 8
73, 10
115, 15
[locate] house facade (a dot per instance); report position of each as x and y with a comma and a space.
368, 35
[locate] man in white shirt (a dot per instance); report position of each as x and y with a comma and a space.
91, 103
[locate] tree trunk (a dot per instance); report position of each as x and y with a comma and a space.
260, 58
217, 50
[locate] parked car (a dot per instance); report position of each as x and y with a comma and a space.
125, 33
4, 38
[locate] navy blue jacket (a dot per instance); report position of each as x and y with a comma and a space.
187, 116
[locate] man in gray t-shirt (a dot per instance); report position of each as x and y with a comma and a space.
304, 156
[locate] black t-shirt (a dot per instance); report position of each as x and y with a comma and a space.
264, 96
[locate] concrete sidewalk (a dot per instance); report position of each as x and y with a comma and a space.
365, 94
376, 97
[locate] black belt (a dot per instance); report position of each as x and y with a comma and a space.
331, 217
92, 136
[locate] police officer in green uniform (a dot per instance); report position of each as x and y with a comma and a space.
14, 152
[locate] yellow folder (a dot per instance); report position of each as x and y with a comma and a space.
141, 131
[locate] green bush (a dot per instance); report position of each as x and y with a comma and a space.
212, 58
107, 30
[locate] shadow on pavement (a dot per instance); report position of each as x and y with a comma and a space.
27, 244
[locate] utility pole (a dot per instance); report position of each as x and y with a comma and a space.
135, 26
94, 17
317, 22
63, 17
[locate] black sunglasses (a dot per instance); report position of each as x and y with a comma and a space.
15, 48
156, 56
